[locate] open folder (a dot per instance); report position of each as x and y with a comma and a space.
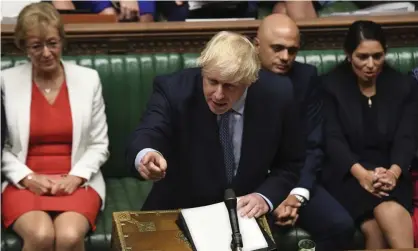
208, 228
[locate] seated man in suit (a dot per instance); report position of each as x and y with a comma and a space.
321, 215
223, 125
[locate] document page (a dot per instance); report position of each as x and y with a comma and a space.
210, 229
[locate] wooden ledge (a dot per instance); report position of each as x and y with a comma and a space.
119, 38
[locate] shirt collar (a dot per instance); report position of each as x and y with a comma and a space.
238, 107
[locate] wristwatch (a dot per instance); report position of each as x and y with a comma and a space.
301, 199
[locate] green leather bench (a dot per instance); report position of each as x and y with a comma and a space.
127, 85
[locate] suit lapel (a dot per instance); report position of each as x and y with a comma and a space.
384, 94
350, 98
252, 134
207, 140
24, 105
75, 91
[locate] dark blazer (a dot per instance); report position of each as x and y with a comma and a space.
306, 84
179, 124
397, 106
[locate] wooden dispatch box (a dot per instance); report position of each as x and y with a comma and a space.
153, 231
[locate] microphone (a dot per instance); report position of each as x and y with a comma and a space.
231, 204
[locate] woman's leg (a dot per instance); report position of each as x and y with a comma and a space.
373, 235
70, 230
396, 224
37, 231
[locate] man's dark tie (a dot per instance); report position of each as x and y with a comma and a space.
226, 142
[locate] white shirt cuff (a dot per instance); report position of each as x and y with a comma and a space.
268, 201
301, 191
141, 154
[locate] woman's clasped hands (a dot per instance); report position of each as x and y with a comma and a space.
384, 182
57, 185
380, 181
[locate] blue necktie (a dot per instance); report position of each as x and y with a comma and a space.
226, 142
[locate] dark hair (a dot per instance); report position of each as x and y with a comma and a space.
363, 30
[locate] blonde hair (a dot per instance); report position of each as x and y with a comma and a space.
37, 16
232, 57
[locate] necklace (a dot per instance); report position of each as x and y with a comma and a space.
46, 90
369, 96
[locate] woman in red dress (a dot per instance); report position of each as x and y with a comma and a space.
57, 139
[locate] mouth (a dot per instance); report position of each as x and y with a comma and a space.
281, 67
47, 62
219, 104
370, 74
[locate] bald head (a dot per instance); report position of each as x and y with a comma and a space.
278, 41
277, 24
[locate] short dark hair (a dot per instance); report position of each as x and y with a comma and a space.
363, 30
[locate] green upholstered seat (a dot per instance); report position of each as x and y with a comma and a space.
127, 85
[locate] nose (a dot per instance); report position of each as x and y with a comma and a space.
284, 55
219, 92
46, 52
370, 62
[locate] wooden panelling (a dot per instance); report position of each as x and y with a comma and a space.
121, 38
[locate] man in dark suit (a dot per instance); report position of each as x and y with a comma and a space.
278, 42
224, 125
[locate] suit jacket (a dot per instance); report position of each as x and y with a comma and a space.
179, 124
90, 141
397, 106
306, 84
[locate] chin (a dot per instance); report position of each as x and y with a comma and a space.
279, 71
217, 111
49, 68
368, 80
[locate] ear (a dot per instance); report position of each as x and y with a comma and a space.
256, 42
348, 56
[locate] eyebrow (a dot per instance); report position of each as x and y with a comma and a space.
279, 44
369, 53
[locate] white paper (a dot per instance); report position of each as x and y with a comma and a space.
210, 229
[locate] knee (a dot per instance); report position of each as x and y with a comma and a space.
69, 238
343, 226
41, 238
390, 209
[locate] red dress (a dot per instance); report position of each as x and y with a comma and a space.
49, 152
